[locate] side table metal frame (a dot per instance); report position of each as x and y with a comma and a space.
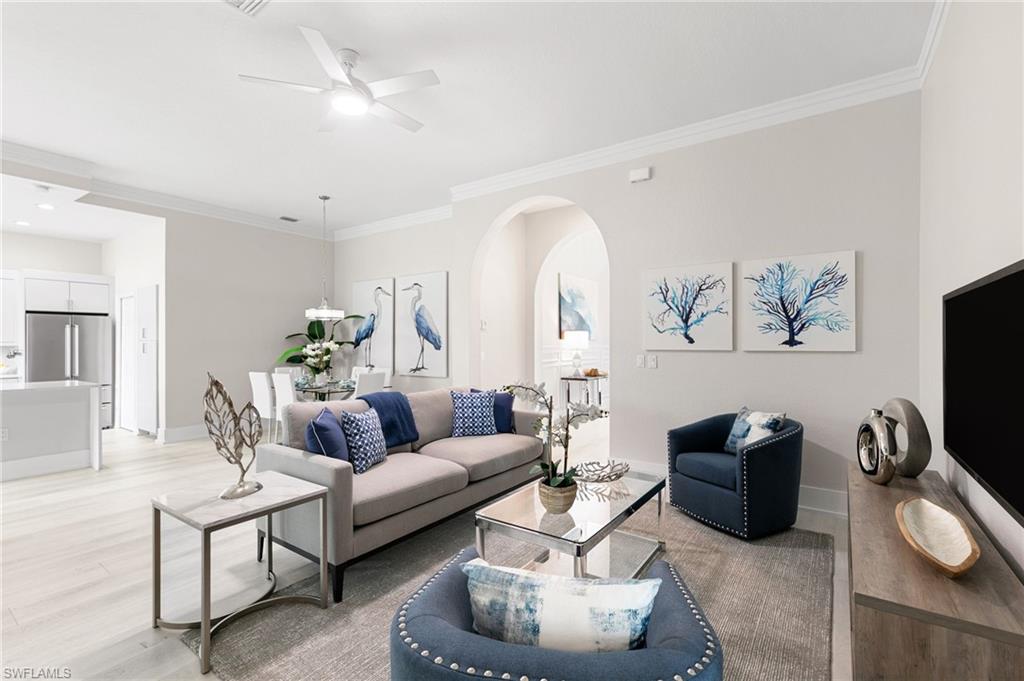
208, 624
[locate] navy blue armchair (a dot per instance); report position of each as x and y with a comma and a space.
432, 639
752, 493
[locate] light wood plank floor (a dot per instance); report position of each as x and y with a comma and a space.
75, 564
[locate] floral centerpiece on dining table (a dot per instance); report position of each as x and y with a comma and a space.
318, 350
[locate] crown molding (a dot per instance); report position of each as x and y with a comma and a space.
47, 160
397, 222
931, 38
803, 106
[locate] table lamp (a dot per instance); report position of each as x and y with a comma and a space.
576, 341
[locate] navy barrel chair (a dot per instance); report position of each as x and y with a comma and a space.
750, 494
432, 639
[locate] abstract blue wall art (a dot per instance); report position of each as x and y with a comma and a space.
806, 302
421, 324
577, 304
688, 308
375, 333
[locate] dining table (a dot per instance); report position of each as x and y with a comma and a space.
337, 390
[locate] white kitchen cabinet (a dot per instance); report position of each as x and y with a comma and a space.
47, 295
63, 295
89, 297
10, 312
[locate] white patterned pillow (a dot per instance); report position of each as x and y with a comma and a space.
473, 413
751, 426
559, 613
365, 439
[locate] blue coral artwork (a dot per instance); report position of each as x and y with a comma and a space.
577, 304
800, 303
688, 307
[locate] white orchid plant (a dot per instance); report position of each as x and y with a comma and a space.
318, 350
555, 431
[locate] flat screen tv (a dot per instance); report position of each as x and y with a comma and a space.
983, 383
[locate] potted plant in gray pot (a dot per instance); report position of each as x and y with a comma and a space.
557, 487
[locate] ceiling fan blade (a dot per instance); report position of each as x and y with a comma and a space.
324, 54
385, 112
312, 89
406, 83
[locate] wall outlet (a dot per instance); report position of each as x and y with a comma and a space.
3, 434
640, 362
652, 361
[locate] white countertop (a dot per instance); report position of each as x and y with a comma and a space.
11, 386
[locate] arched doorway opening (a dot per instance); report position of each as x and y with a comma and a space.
542, 277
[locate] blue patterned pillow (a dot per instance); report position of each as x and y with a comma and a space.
559, 613
473, 413
751, 426
365, 439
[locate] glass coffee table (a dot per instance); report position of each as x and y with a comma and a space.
585, 541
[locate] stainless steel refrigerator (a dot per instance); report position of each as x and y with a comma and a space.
61, 346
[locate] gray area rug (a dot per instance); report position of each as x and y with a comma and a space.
770, 601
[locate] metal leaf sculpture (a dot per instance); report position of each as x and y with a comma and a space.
232, 433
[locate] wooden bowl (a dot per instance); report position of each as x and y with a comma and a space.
942, 538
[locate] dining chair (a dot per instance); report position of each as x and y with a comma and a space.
368, 382
365, 370
296, 373
284, 389
263, 396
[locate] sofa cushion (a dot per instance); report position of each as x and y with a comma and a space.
297, 416
713, 467
485, 455
401, 481
432, 410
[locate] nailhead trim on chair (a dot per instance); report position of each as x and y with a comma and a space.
692, 671
743, 454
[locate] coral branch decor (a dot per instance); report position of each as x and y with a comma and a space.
234, 434
805, 302
688, 308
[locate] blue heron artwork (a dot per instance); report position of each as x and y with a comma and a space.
422, 325
688, 307
374, 337
804, 302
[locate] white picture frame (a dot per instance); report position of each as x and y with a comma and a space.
421, 324
374, 299
800, 303
688, 308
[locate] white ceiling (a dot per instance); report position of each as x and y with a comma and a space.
68, 219
148, 91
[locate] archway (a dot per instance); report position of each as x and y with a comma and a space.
519, 330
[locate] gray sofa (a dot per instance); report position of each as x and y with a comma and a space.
416, 486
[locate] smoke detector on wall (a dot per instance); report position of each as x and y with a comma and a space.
249, 7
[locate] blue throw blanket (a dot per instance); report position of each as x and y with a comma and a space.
395, 417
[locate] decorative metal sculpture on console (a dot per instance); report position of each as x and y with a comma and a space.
232, 433
876, 448
910, 462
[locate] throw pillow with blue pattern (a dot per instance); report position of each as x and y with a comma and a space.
365, 439
473, 413
559, 613
751, 426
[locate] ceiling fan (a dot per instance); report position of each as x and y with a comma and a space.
349, 96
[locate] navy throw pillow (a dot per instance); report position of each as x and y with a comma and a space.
324, 436
504, 421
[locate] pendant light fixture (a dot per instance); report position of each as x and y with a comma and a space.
325, 312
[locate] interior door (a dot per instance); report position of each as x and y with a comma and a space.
91, 358
47, 347
146, 384
128, 365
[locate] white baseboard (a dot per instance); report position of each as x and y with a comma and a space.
822, 499
13, 469
166, 436
811, 498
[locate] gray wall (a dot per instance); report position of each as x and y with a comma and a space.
972, 218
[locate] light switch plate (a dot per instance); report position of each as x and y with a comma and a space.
640, 362
652, 361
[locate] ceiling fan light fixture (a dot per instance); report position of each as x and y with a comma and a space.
350, 103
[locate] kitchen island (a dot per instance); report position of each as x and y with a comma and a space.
49, 426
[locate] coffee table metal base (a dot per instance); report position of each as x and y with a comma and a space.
628, 556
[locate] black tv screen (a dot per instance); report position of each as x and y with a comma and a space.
983, 383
